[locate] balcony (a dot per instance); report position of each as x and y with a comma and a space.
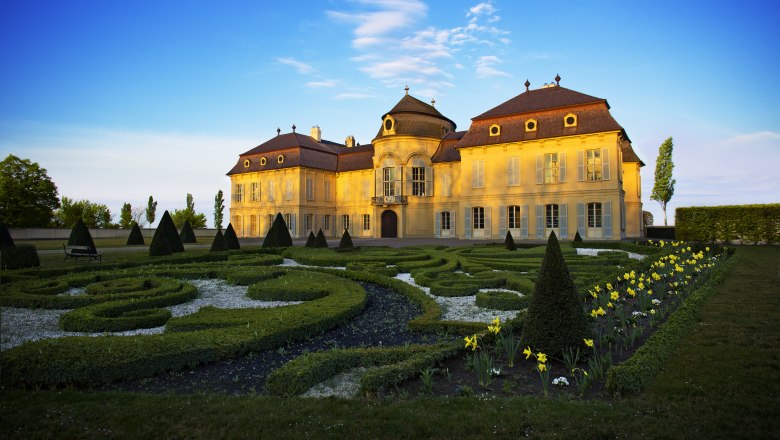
388, 200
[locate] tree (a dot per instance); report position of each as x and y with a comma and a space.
94, 215
647, 218
219, 244
135, 237
126, 216
219, 208
139, 216
555, 318
663, 190
151, 211
170, 232
187, 235
28, 197
320, 241
182, 216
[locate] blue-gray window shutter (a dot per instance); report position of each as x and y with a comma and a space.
453, 216
607, 219
488, 223
605, 164
539, 221
467, 222
437, 224
502, 221
581, 219
524, 221
580, 165
539, 169
562, 167
564, 220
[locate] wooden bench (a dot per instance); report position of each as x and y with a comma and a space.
81, 252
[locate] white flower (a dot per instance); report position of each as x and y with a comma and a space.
637, 314
561, 381
656, 302
495, 372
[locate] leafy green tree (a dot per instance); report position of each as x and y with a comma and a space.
126, 216
94, 215
647, 218
151, 211
181, 216
219, 209
28, 197
663, 189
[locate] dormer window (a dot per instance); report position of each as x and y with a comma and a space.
388, 125
263, 161
570, 120
495, 130
280, 158
531, 124
246, 163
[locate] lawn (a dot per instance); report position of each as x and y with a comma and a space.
721, 382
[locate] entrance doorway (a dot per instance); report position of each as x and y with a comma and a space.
389, 224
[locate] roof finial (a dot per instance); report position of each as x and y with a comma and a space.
557, 79
527, 85
278, 131
433, 102
293, 128
407, 89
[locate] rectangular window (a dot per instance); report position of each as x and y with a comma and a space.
513, 171
593, 166
309, 188
326, 223
551, 216
478, 174
513, 217
418, 181
367, 189
389, 178
445, 221
551, 168
366, 222
288, 189
271, 191
327, 190
594, 215
252, 224
308, 222
345, 221
255, 195
288, 220
479, 217
238, 193
270, 222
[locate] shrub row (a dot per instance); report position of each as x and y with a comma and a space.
633, 375
750, 223
293, 286
500, 300
375, 267
20, 256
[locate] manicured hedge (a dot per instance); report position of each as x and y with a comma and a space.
293, 286
21, 256
500, 300
633, 375
749, 223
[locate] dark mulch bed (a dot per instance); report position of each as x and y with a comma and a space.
382, 323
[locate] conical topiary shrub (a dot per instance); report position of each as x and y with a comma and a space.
555, 318
509, 242
187, 235
80, 236
135, 237
160, 245
5, 237
231, 238
577, 237
278, 235
171, 233
310, 240
219, 244
346, 241
320, 241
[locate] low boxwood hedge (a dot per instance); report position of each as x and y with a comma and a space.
293, 286
501, 300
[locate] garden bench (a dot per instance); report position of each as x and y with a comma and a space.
81, 252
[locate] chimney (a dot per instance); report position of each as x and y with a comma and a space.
316, 133
350, 142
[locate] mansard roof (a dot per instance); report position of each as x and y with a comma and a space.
447, 151
547, 98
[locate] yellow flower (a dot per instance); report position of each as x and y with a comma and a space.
631, 291
593, 294
601, 311
588, 342
609, 305
597, 288
614, 296
497, 321
707, 249
641, 285
527, 352
541, 357
541, 367
626, 276
652, 311
494, 329
609, 286
471, 342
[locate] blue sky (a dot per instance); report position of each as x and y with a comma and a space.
122, 100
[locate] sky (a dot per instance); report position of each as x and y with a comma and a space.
121, 100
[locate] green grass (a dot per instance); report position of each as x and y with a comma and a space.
722, 382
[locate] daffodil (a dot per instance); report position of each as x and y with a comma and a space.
588, 342
541, 357
609, 286
527, 352
471, 342
542, 367
601, 311
614, 295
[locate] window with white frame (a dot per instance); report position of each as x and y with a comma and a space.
288, 189
445, 221
478, 174
238, 192
255, 196
551, 168
288, 220
478, 221
593, 166
551, 216
252, 225
447, 184
366, 222
513, 217
418, 181
309, 188
389, 179
345, 221
270, 220
594, 215
513, 171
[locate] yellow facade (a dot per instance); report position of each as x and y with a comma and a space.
526, 167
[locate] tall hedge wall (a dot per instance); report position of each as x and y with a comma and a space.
749, 223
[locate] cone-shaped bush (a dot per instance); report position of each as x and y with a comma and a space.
509, 242
80, 236
231, 238
577, 237
135, 236
19, 257
346, 241
278, 235
310, 240
555, 317
219, 244
5, 237
320, 241
160, 245
187, 235
171, 233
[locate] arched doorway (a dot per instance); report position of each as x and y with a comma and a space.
389, 224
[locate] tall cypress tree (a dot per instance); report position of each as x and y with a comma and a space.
663, 189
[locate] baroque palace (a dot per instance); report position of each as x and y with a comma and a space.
549, 159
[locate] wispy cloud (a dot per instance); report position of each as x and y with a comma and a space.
485, 67
300, 66
354, 95
324, 83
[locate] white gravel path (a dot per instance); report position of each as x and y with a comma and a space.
595, 252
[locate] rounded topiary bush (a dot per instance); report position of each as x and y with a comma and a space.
187, 235
219, 244
310, 240
135, 237
320, 241
278, 235
231, 238
555, 318
346, 241
19, 257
